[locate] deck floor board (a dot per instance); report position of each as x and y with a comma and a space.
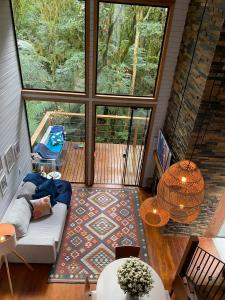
109, 163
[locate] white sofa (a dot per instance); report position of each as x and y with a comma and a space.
42, 241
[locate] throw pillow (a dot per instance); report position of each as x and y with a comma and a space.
19, 215
41, 207
56, 138
27, 190
47, 188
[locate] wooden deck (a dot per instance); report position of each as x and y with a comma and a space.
73, 163
109, 163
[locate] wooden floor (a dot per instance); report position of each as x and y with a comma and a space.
109, 163
165, 253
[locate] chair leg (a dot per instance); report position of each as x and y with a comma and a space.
23, 260
8, 274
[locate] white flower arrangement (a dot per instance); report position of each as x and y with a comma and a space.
135, 278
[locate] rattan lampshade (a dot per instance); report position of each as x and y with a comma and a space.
152, 214
181, 191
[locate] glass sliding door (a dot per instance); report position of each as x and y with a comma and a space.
137, 134
57, 133
120, 134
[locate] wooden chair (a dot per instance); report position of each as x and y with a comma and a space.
88, 294
126, 251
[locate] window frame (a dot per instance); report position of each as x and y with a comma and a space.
148, 135
169, 4
90, 98
63, 100
86, 51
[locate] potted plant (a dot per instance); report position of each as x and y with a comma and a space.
135, 278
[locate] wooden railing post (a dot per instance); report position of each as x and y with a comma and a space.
135, 137
40, 127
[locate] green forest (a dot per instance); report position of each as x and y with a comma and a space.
51, 42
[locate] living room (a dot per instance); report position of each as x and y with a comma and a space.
87, 70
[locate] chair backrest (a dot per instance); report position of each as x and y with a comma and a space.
126, 251
178, 289
87, 289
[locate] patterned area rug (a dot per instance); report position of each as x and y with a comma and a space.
98, 221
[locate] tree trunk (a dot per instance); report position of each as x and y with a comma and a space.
139, 19
110, 30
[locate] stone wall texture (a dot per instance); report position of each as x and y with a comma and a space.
196, 114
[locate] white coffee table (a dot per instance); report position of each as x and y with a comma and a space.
108, 287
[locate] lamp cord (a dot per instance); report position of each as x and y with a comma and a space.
200, 128
210, 118
189, 71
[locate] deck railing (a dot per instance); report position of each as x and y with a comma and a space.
206, 275
105, 130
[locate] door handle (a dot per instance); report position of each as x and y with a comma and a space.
124, 155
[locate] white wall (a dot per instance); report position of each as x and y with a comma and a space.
177, 28
12, 114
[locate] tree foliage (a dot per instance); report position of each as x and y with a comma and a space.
51, 42
56, 32
129, 46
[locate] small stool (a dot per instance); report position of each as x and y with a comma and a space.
7, 246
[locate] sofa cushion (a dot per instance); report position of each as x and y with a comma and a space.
19, 215
41, 207
56, 138
52, 226
27, 190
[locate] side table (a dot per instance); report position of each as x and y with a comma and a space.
7, 246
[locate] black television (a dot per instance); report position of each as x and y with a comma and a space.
163, 151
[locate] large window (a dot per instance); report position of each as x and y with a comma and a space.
57, 133
51, 43
130, 39
51, 38
76, 55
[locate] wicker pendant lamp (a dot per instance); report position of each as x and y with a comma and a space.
181, 191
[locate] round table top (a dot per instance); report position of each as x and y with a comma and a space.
108, 287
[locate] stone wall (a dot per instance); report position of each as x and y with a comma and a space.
201, 120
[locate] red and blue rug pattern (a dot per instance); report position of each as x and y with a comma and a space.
99, 219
